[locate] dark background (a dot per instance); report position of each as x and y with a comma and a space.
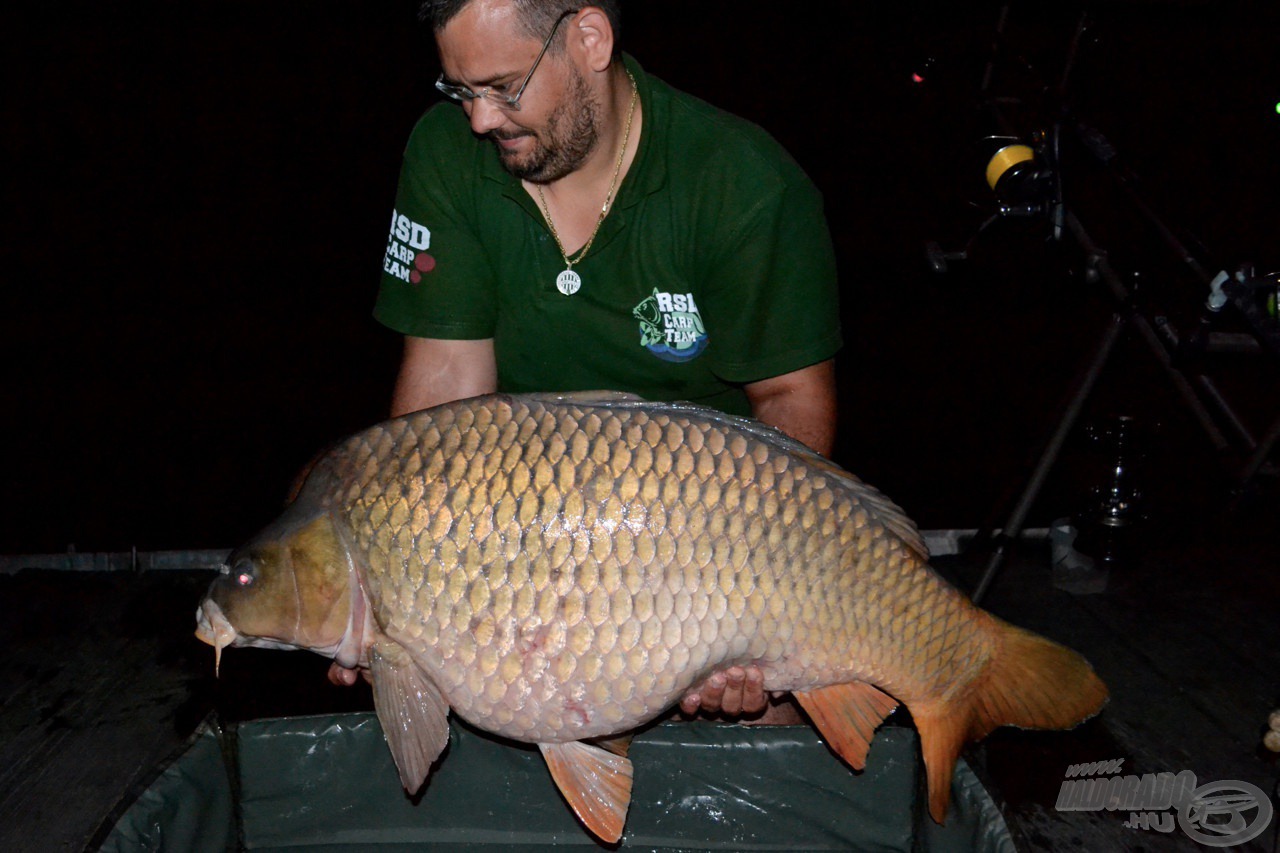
196, 198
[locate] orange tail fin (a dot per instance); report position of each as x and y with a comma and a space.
1030, 683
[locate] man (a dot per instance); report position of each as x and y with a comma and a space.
580, 225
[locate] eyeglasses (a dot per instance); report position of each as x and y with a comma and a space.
499, 99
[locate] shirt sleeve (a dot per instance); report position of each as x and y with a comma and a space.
772, 295
436, 278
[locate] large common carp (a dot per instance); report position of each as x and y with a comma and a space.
562, 568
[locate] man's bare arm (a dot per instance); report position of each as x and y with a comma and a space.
435, 371
801, 403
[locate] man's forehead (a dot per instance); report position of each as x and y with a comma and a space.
491, 15
482, 40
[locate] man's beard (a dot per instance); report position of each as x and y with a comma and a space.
569, 136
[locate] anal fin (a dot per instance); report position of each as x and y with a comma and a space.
596, 783
413, 714
847, 715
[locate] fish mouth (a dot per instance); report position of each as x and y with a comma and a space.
213, 628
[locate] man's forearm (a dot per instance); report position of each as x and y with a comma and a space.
435, 371
802, 404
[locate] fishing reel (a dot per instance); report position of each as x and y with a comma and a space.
1024, 181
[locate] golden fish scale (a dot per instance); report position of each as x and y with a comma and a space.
564, 572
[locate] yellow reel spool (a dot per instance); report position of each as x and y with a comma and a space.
1005, 159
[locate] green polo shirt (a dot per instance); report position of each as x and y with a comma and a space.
713, 269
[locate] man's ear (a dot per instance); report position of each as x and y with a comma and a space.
592, 36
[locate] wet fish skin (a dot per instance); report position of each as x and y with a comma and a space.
558, 568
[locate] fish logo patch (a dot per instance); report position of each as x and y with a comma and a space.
407, 245
670, 326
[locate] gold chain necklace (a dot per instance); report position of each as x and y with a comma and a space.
569, 282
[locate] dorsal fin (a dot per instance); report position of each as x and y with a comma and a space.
581, 398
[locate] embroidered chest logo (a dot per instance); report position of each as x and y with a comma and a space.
407, 245
670, 326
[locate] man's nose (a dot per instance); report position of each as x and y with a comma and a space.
484, 115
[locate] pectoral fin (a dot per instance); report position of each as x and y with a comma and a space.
847, 715
413, 714
595, 782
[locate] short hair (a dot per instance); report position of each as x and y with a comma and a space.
536, 17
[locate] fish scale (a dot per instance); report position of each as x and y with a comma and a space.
557, 568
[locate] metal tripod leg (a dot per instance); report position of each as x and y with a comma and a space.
1261, 451
1101, 267
1071, 413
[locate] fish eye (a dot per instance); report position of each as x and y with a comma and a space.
242, 571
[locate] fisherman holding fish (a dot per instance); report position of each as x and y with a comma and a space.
579, 224
560, 568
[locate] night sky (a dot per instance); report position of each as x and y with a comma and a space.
196, 198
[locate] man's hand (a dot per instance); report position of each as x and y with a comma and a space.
733, 692
344, 677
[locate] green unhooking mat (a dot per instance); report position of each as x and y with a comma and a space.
312, 784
